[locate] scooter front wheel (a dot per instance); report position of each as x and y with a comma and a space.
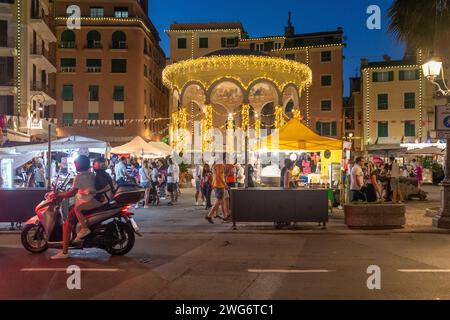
33, 238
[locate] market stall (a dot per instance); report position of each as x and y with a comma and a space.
318, 159
138, 147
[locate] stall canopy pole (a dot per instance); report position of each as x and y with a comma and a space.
49, 156
246, 163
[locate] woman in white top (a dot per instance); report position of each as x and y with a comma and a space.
144, 174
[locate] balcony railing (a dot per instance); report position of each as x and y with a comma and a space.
67, 45
45, 19
94, 69
68, 69
42, 87
94, 45
6, 82
119, 45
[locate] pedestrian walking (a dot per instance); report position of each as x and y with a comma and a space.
357, 181
219, 190
394, 174
198, 173
206, 185
145, 181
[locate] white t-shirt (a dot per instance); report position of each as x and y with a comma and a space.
119, 169
357, 174
395, 171
198, 172
144, 174
176, 173
85, 183
155, 175
171, 174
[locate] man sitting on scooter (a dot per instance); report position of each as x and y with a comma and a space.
83, 188
103, 181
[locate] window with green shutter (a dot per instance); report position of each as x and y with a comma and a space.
383, 76
182, 43
405, 75
119, 65
203, 43
326, 80
334, 129
93, 119
383, 101
325, 56
119, 119
325, 105
67, 93
410, 128
93, 93
67, 119
68, 64
410, 100
383, 129
119, 93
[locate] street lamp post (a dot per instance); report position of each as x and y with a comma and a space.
431, 70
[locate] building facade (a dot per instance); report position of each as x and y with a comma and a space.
320, 104
396, 101
109, 72
27, 68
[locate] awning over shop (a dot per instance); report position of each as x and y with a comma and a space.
138, 147
426, 151
296, 136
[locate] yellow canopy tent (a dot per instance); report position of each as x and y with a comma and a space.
294, 135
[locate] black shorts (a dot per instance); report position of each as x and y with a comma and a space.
171, 187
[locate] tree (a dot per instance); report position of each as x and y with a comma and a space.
421, 23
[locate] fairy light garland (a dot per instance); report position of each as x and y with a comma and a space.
279, 119
421, 78
182, 120
297, 114
19, 55
367, 97
245, 117
230, 134
176, 76
307, 92
208, 127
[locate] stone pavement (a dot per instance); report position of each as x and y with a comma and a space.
185, 217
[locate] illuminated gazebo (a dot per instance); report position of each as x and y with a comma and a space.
234, 88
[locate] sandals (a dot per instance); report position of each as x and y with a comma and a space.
209, 219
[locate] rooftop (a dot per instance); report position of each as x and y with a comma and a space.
206, 26
236, 52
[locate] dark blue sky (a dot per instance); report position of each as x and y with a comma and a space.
268, 17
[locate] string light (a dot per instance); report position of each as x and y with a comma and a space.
297, 114
230, 134
282, 71
182, 120
421, 78
245, 117
367, 97
279, 119
19, 55
307, 93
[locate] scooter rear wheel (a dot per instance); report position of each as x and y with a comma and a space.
127, 234
33, 238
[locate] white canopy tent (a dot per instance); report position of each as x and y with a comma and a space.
19, 159
138, 147
68, 143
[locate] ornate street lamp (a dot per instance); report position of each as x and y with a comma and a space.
431, 70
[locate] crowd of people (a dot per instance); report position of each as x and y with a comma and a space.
371, 182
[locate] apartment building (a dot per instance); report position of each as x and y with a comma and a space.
109, 72
27, 68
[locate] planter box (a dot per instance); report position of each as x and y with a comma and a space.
375, 215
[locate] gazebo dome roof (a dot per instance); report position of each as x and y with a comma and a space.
236, 52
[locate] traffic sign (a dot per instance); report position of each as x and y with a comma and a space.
442, 118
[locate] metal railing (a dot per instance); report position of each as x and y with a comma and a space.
67, 45
119, 45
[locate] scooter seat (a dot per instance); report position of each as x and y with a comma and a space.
103, 208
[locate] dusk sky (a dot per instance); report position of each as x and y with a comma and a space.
263, 18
